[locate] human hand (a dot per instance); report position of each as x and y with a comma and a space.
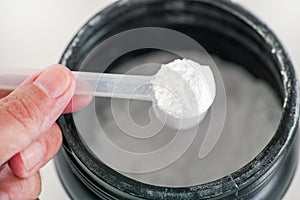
29, 136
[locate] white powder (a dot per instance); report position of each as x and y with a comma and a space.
184, 88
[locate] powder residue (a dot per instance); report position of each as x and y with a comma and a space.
184, 88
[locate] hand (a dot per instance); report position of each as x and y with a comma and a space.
29, 136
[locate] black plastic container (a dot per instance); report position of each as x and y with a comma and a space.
222, 28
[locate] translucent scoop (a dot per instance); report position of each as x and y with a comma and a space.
110, 85
88, 83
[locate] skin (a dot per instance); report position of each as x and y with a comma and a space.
29, 135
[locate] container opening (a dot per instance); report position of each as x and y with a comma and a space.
247, 62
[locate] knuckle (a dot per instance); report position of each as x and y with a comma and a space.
24, 110
19, 188
30, 187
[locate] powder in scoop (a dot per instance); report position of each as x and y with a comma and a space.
183, 88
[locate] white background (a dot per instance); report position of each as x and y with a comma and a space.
34, 33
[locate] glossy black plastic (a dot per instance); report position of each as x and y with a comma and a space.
222, 28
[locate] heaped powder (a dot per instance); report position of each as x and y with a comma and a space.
183, 88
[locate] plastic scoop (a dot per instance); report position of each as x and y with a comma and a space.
88, 83
107, 85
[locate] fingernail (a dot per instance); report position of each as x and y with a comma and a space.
53, 81
4, 196
33, 155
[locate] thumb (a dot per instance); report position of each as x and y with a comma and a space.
33, 108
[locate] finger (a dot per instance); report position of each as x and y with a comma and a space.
13, 187
4, 93
32, 109
36, 155
77, 103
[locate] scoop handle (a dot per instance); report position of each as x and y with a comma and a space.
114, 85
89, 83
